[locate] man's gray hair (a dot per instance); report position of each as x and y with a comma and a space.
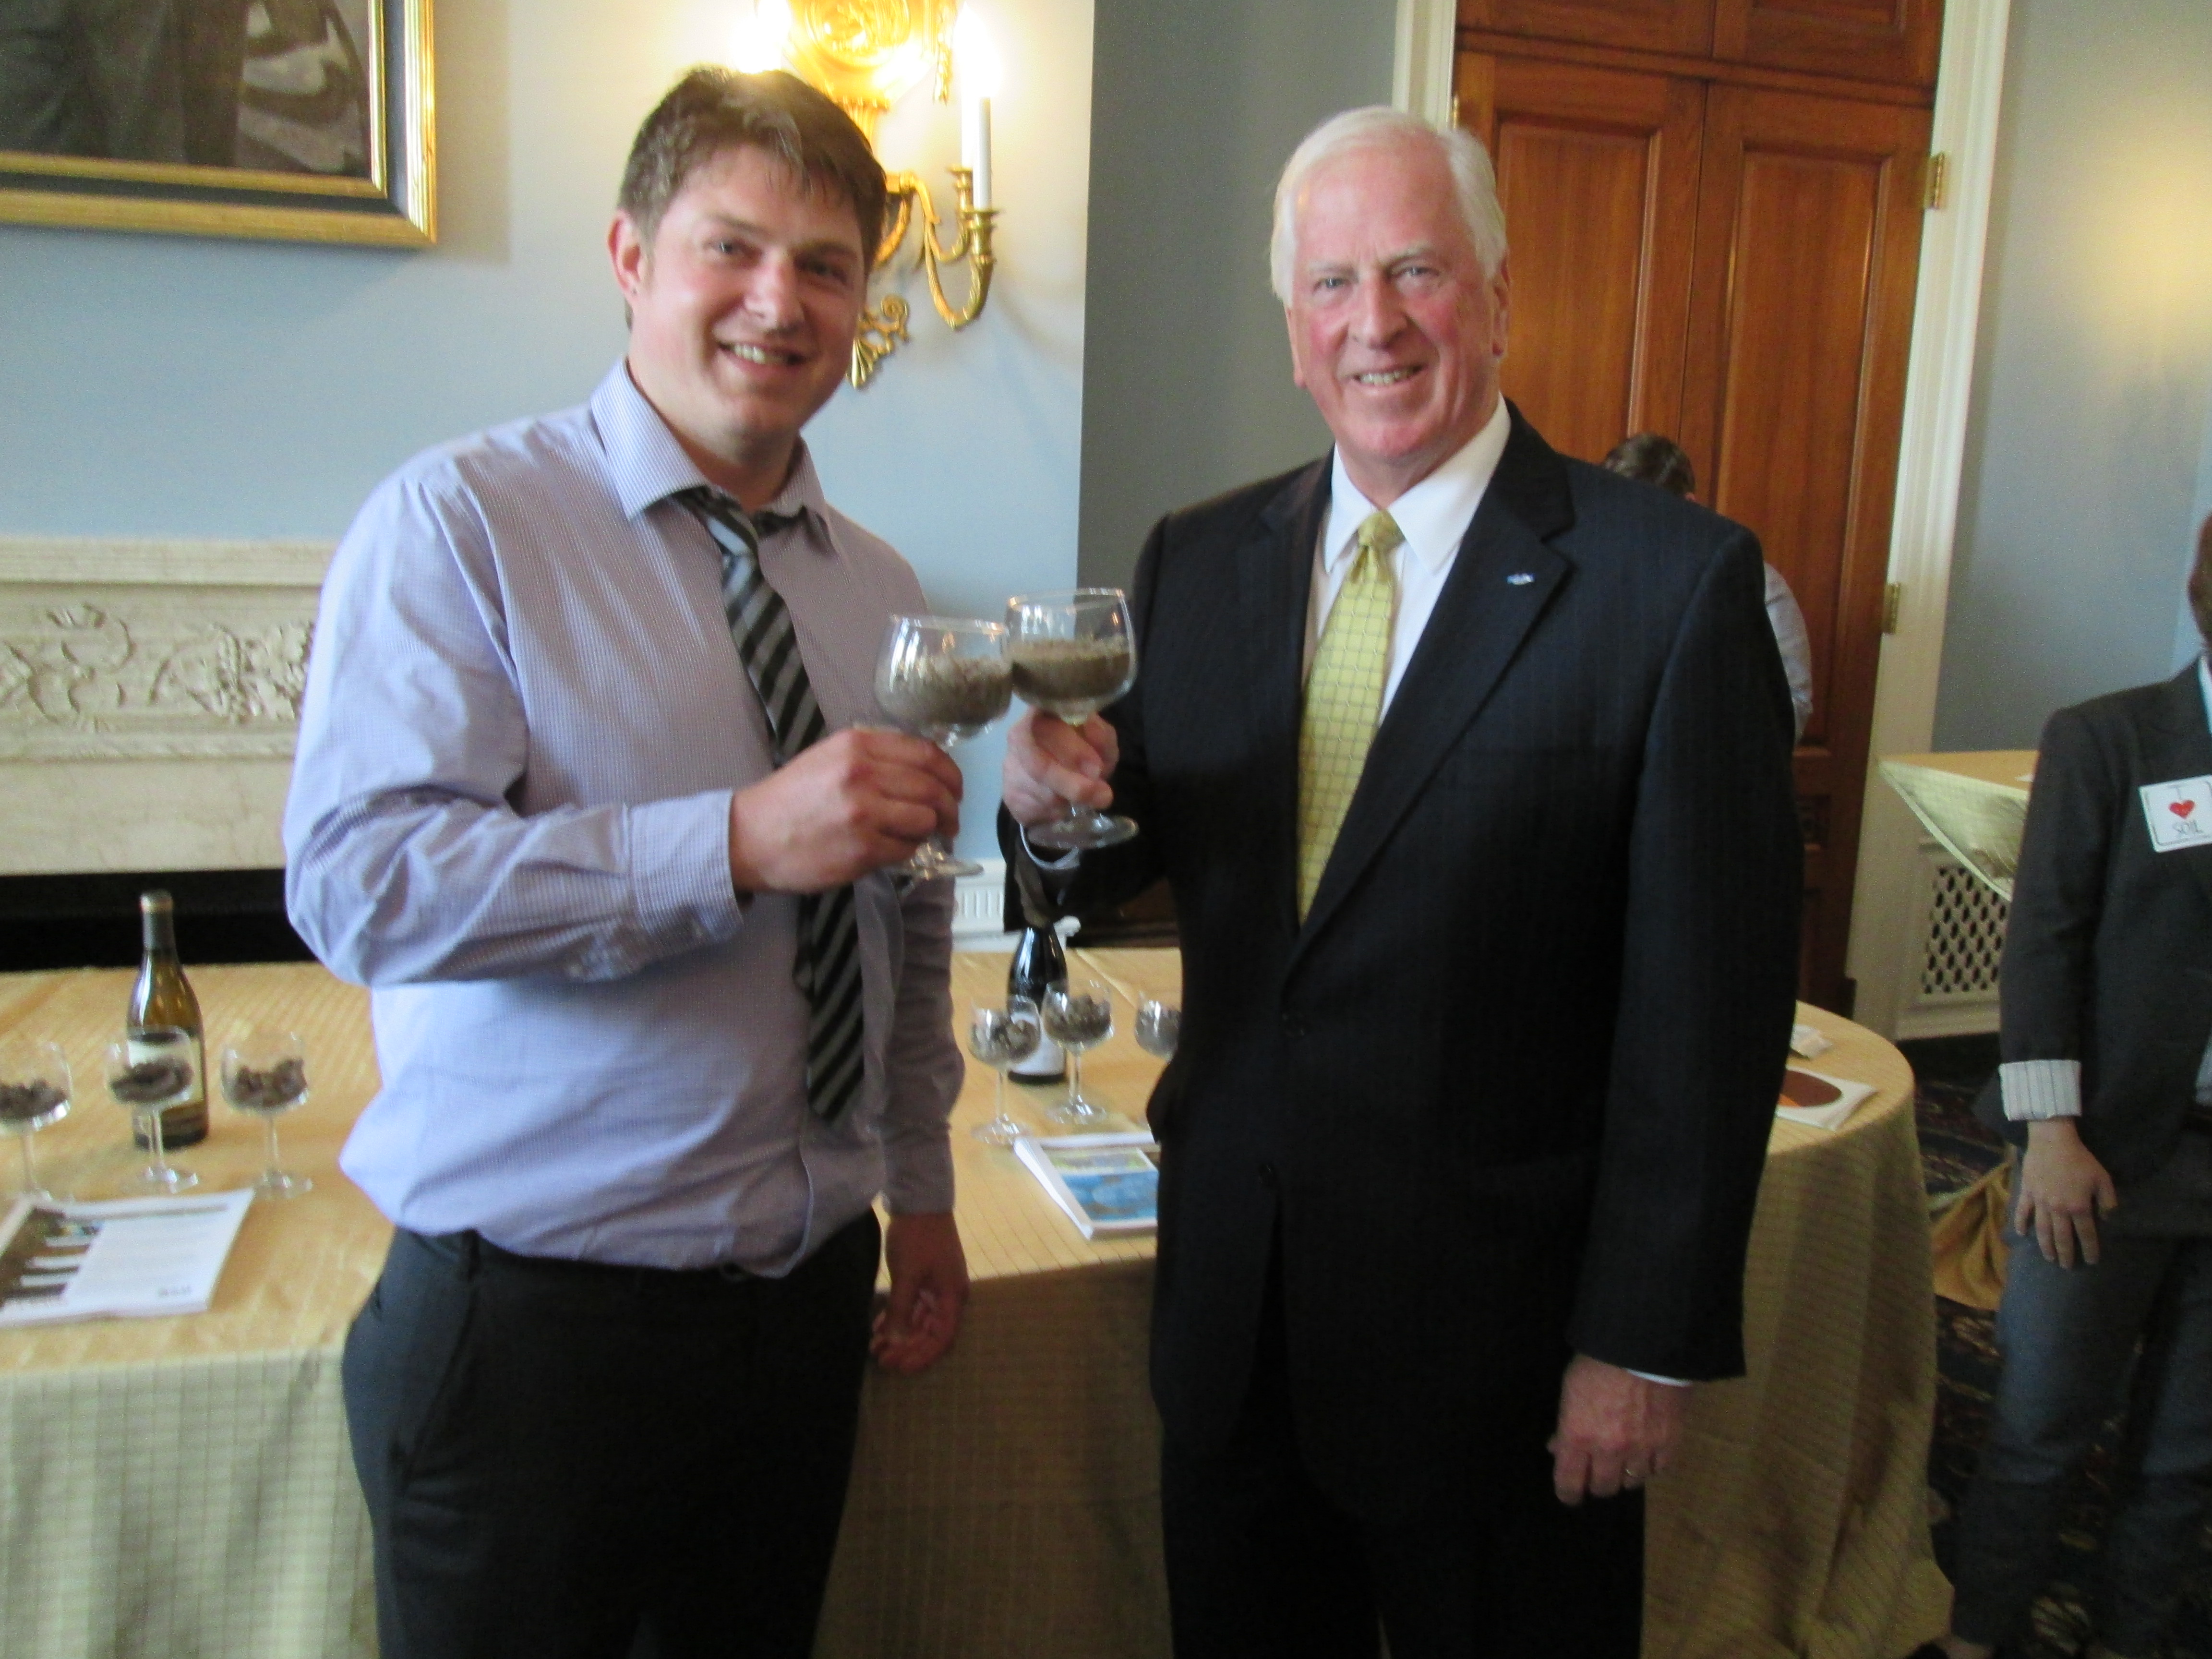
1378, 127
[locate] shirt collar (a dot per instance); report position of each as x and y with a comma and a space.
1434, 514
648, 465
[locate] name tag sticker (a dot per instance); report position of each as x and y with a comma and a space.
2179, 814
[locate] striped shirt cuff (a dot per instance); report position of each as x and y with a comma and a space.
2039, 1089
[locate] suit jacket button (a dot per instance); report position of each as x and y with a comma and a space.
1267, 1176
1293, 1027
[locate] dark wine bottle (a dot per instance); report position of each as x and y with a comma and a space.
1039, 964
163, 996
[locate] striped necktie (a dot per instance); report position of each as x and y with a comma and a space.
1344, 698
828, 969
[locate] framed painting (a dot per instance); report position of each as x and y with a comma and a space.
296, 120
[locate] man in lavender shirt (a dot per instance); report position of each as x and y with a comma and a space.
605, 1392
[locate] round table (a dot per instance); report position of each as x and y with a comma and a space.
183, 1485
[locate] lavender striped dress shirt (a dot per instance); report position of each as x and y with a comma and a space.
509, 817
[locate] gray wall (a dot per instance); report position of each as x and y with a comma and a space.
179, 387
1186, 377
2089, 447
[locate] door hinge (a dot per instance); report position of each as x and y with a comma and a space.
1939, 179
1893, 601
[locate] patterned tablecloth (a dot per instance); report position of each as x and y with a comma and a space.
1975, 803
181, 1485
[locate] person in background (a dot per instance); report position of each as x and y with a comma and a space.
1652, 459
580, 796
1463, 761
2105, 1013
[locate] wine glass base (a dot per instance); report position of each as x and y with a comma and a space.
276, 1183
1081, 832
159, 1181
999, 1132
1075, 1110
929, 865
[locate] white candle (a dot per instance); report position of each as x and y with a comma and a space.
975, 146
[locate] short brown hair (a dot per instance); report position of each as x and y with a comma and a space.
2200, 583
1653, 459
711, 110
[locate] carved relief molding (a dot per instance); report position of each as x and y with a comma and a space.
141, 650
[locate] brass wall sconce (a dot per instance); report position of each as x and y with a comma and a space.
864, 55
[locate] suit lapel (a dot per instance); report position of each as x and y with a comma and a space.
1501, 582
1274, 579
2180, 747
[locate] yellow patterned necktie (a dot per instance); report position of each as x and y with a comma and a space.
1344, 698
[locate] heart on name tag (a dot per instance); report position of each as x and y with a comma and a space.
2171, 808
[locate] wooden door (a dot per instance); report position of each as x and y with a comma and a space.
1677, 26
1896, 42
1598, 174
1808, 247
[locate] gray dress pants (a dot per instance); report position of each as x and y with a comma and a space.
2068, 1341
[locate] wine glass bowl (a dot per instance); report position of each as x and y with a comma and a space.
945, 678
148, 1071
1159, 1027
34, 1092
1001, 1037
1079, 1016
264, 1075
1073, 654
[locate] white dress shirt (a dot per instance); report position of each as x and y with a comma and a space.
1432, 516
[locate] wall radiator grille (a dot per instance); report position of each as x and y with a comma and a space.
1965, 936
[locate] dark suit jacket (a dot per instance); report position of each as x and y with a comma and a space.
2108, 948
1507, 1090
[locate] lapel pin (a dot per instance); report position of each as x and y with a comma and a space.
1519, 579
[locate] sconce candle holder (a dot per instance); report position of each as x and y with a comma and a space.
882, 327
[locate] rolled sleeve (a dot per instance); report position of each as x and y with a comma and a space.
2035, 1090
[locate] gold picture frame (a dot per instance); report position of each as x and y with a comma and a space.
358, 164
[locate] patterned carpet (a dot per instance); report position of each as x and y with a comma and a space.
1954, 1151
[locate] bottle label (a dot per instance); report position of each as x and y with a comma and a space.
1044, 1063
186, 1123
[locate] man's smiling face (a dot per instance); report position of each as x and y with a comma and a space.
1397, 330
743, 304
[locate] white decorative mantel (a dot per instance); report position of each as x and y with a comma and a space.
149, 695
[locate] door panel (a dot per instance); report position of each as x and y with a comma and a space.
1598, 174
1808, 247
1893, 42
1683, 25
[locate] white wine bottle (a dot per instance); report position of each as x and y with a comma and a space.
163, 996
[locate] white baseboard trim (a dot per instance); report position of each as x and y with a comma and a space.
979, 919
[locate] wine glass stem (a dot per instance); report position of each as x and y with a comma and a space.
269, 1125
1075, 1078
1002, 1094
155, 1141
30, 1171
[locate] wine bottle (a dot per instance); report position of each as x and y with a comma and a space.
1039, 965
163, 996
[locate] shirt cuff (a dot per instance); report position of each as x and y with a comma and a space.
2039, 1089
1671, 1381
679, 870
919, 1176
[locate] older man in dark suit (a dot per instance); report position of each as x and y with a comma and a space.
1468, 767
